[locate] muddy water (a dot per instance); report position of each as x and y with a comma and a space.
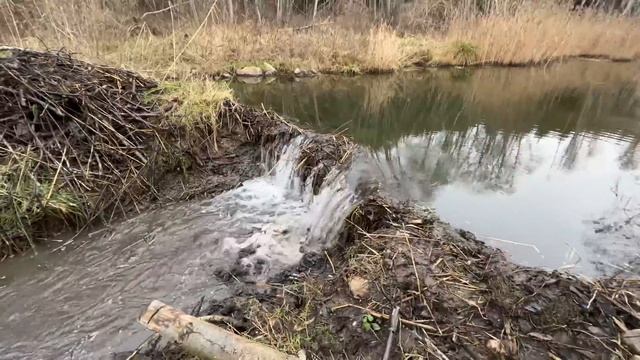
81, 301
541, 162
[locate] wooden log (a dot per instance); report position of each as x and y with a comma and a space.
202, 338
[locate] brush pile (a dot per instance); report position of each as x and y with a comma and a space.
74, 141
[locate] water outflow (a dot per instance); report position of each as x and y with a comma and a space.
82, 303
292, 218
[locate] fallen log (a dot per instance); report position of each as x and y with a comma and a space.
202, 338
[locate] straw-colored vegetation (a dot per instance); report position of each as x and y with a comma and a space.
211, 37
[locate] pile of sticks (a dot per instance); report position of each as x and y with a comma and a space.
73, 125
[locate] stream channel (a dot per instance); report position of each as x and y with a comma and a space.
543, 163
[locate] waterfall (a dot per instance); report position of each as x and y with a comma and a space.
287, 217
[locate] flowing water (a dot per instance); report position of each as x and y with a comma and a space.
82, 302
541, 162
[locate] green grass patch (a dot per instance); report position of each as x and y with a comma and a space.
194, 103
26, 199
464, 52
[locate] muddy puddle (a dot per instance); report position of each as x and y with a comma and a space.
540, 162
82, 301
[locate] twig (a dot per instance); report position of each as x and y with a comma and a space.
433, 347
162, 10
386, 317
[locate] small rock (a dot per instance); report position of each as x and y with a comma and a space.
631, 338
269, 70
252, 80
225, 75
299, 72
249, 71
359, 287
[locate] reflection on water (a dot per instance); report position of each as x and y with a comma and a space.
542, 162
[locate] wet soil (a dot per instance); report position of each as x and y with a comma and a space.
458, 298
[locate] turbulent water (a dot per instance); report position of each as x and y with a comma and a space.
83, 302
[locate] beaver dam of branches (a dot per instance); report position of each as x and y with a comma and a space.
82, 144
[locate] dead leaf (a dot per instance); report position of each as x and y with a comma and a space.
359, 287
505, 347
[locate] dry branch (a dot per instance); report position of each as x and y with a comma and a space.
202, 338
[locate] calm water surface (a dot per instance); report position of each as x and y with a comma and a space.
541, 162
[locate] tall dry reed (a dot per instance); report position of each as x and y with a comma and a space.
180, 40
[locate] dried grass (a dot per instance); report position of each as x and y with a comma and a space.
537, 35
513, 32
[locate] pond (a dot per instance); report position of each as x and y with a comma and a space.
541, 162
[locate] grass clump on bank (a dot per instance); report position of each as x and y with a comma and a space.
28, 196
196, 103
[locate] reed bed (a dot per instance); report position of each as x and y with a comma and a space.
178, 42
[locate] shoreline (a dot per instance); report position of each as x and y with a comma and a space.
224, 76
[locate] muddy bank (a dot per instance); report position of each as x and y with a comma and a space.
458, 299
